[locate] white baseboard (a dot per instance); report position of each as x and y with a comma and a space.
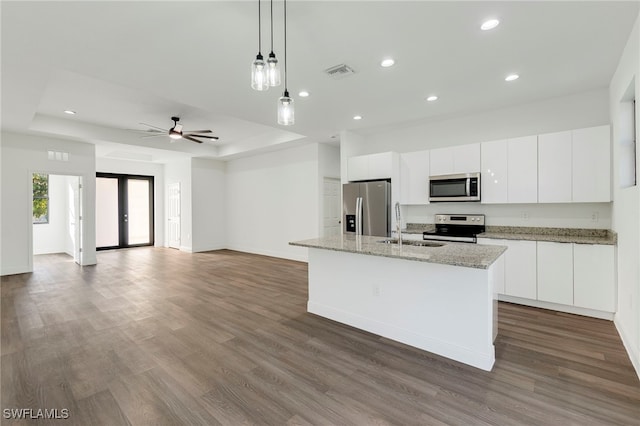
633, 353
445, 349
186, 248
13, 270
557, 307
271, 253
209, 248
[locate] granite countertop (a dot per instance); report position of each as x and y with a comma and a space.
457, 254
558, 235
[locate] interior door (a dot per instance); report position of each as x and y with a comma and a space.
124, 211
331, 206
173, 219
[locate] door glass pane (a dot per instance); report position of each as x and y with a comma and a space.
138, 220
107, 212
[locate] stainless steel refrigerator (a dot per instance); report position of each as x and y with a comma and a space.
366, 208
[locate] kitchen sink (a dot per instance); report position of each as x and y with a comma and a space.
416, 243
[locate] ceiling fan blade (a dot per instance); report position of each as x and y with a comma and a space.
197, 131
155, 127
154, 136
190, 138
202, 136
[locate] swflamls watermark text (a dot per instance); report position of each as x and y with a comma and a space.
38, 413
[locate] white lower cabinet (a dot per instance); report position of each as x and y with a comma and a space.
594, 277
499, 268
555, 272
570, 274
520, 269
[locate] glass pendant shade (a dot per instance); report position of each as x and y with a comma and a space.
259, 80
286, 115
273, 70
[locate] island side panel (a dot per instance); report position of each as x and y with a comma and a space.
444, 309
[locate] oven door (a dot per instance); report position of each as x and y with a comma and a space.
458, 187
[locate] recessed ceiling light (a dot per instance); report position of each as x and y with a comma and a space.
386, 63
303, 94
432, 98
511, 77
357, 117
68, 111
489, 24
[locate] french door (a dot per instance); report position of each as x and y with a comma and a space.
124, 211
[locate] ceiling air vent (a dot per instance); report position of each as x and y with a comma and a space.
339, 71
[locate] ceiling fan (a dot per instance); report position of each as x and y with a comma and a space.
176, 132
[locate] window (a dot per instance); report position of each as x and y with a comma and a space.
40, 198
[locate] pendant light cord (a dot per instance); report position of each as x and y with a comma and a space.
259, 29
285, 46
271, 26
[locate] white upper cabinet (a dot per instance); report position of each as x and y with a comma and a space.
510, 170
414, 177
554, 167
372, 166
493, 160
455, 159
591, 167
522, 177
555, 272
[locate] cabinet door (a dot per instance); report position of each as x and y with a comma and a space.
520, 269
441, 161
493, 160
499, 267
414, 177
522, 163
591, 168
555, 272
380, 165
554, 168
594, 277
466, 158
358, 168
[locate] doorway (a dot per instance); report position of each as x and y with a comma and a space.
332, 207
124, 211
57, 216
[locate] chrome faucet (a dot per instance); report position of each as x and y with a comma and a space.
398, 224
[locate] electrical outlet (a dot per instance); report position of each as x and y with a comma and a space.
376, 290
594, 217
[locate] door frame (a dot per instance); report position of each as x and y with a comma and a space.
123, 207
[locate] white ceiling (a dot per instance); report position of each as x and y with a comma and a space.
121, 63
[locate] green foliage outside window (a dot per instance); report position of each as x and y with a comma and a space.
40, 198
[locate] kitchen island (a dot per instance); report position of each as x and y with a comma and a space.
440, 299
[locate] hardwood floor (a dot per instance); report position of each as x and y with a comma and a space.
156, 336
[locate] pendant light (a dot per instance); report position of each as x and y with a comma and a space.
258, 67
285, 103
273, 69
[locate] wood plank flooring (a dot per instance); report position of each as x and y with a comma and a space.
155, 336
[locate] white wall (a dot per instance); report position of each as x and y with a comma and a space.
272, 199
626, 205
23, 155
180, 171
209, 210
110, 165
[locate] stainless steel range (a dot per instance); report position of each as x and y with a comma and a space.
456, 227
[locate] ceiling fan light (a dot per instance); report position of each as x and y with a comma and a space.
273, 70
286, 113
175, 135
259, 79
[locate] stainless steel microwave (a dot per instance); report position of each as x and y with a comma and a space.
458, 187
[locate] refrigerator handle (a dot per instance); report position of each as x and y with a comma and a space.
359, 216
